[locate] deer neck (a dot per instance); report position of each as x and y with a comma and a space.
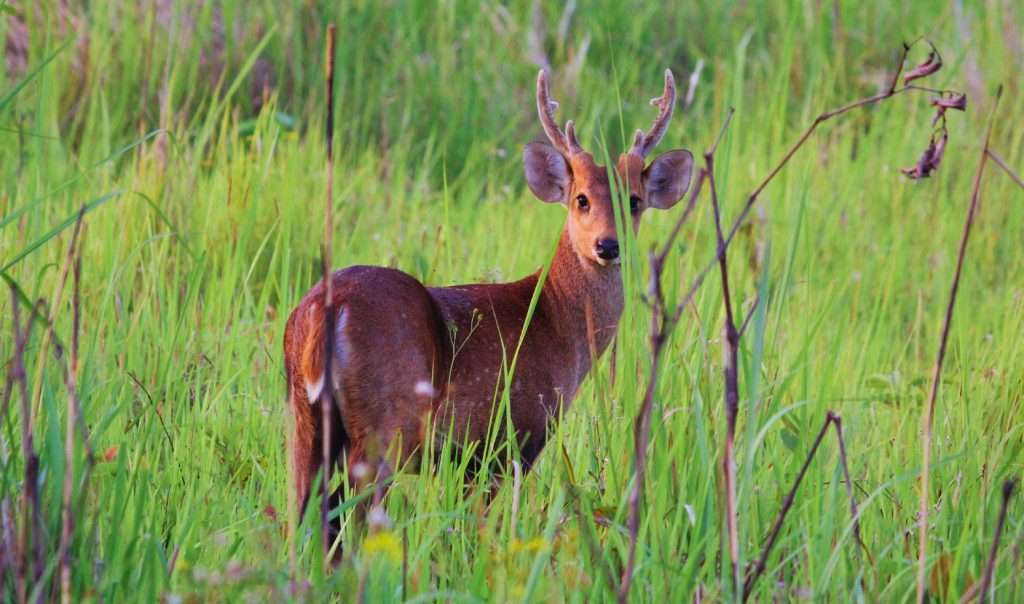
584, 302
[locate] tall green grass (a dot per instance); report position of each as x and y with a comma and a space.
203, 232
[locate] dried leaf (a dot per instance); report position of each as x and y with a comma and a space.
932, 64
929, 160
956, 101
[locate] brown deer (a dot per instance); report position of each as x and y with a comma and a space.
404, 352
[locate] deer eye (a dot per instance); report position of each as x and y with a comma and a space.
634, 204
582, 202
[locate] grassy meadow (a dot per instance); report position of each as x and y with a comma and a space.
192, 134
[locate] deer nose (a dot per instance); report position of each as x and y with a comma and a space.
607, 249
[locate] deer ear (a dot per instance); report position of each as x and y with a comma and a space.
667, 178
547, 174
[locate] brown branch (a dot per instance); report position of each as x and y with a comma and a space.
327, 402
1006, 168
836, 421
32, 566
730, 345
73, 419
662, 324
891, 91
986, 579
642, 425
664, 319
750, 315
929, 416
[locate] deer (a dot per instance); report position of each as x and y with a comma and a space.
401, 352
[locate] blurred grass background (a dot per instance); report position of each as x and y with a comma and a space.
194, 132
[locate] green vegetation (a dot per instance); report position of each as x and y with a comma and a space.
193, 135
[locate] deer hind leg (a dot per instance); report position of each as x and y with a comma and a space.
307, 458
306, 385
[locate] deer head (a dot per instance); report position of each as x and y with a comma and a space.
563, 172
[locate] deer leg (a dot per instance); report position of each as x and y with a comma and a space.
307, 459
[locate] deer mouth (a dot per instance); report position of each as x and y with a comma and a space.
613, 262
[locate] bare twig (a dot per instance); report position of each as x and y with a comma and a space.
662, 324
837, 422
32, 526
986, 579
730, 344
664, 319
892, 90
1006, 168
642, 426
750, 315
787, 503
73, 419
929, 415
327, 395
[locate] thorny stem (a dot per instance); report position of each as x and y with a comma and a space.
929, 415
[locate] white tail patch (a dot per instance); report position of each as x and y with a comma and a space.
313, 390
315, 387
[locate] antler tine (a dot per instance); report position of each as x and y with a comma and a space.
666, 103
570, 138
564, 142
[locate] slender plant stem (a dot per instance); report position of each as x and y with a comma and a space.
986, 579
787, 503
32, 528
754, 196
1006, 168
837, 423
662, 324
67, 515
730, 344
327, 393
929, 415
641, 437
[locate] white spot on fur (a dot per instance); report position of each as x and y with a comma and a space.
359, 470
378, 518
425, 388
342, 348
